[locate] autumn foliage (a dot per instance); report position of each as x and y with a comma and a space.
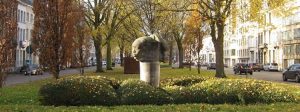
193, 37
54, 30
8, 29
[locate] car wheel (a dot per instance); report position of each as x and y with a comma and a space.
297, 78
284, 78
251, 73
258, 70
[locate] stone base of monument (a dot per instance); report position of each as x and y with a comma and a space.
149, 72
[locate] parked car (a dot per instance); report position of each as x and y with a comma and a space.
256, 67
103, 62
211, 66
23, 68
242, 68
94, 63
271, 67
204, 64
33, 70
293, 72
62, 67
225, 65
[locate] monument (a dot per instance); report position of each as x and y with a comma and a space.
149, 51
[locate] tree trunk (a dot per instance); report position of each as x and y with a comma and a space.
2, 79
56, 71
190, 60
81, 61
219, 50
108, 56
171, 54
121, 55
198, 62
98, 48
180, 51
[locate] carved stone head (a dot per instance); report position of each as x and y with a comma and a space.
149, 49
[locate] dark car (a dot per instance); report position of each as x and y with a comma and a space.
23, 68
33, 70
242, 68
256, 67
293, 72
211, 66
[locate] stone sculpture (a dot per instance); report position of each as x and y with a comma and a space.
149, 51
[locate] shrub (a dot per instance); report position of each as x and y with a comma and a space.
134, 92
243, 91
92, 90
182, 81
180, 94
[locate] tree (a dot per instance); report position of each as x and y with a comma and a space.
194, 35
54, 29
216, 13
97, 11
8, 31
130, 30
82, 39
176, 25
119, 11
178, 30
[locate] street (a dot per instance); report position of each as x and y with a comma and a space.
273, 76
13, 79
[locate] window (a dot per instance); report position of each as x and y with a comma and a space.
297, 33
31, 18
289, 50
18, 34
26, 35
18, 16
232, 52
24, 15
21, 18
298, 49
27, 17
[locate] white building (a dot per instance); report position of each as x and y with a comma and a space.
207, 53
25, 18
275, 41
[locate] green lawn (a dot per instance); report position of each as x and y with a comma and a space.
24, 97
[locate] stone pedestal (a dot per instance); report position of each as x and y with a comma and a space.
149, 72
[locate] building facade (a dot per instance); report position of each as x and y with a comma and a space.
25, 18
276, 40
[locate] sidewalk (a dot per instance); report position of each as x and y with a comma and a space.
13, 79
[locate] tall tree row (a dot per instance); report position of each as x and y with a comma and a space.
8, 37
54, 30
196, 30
96, 13
120, 11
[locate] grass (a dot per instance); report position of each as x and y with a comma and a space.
24, 97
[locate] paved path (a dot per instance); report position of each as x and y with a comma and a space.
13, 79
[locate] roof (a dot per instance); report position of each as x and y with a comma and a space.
29, 2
